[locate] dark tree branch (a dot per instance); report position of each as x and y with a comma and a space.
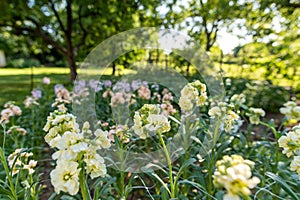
85, 33
57, 16
69, 18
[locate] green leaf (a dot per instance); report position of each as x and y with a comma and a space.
5, 191
185, 165
162, 182
164, 194
283, 185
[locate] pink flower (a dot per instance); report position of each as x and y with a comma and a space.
46, 80
144, 93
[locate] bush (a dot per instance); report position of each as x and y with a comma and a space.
23, 63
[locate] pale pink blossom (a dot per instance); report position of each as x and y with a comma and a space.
46, 80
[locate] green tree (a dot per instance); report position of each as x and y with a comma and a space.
73, 25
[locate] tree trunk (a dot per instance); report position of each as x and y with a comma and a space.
113, 68
72, 67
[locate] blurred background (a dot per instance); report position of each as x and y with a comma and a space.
254, 43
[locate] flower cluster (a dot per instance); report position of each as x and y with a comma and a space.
144, 93
120, 98
254, 115
63, 96
57, 124
74, 147
192, 93
238, 99
120, 131
291, 147
224, 111
150, 120
234, 174
19, 160
9, 111
291, 110
16, 130
32, 100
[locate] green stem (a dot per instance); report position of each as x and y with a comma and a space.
122, 177
83, 187
83, 184
212, 159
277, 136
169, 165
275, 188
9, 177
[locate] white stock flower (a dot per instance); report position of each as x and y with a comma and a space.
225, 113
65, 177
94, 164
185, 103
157, 123
295, 165
291, 110
192, 93
254, 115
291, 142
138, 126
234, 174
57, 124
101, 138
30, 167
150, 120
215, 112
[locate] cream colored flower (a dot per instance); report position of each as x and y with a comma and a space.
72, 141
157, 123
189, 92
64, 155
234, 174
290, 143
53, 136
254, 115
192, 93
295, 164
94, 164
238, 99
138, 126
19, 160
224, 112
215, 112
57, 124
185, 103
30, 167
102, 139
291, 110
150, 120
65, 177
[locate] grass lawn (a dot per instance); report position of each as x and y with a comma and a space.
15, 84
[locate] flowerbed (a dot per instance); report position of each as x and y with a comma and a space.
147, 143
